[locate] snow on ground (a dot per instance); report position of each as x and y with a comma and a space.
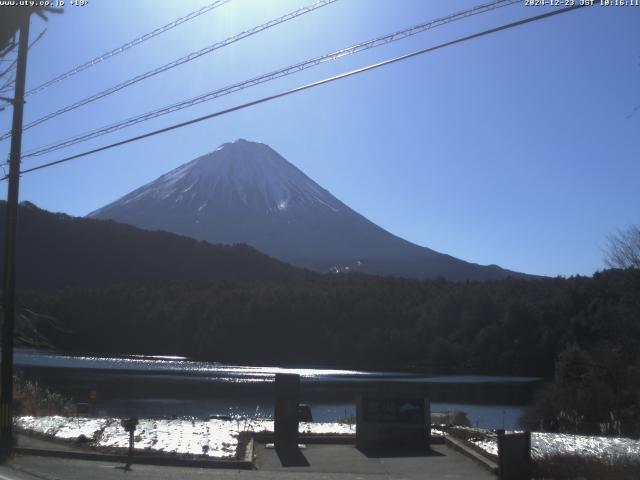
219, 438
215, 438
186, 436
64, 428
328, 428
543, 444
551, 444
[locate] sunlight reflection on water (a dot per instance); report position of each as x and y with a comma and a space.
34, 358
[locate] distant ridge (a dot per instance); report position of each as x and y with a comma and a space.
56, 250
246, 192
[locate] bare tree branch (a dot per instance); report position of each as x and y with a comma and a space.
623, 248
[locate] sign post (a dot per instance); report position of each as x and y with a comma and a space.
514, 455
287, 396
393, 418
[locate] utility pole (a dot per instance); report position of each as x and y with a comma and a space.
6, 371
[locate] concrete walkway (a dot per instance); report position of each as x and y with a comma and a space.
331, 462
30, 441
442, 462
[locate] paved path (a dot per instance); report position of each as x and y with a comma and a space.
30, 441
443, 462
330, 462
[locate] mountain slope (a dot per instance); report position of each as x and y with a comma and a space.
56, 250
246, 192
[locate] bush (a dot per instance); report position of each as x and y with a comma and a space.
594, 392
30, 398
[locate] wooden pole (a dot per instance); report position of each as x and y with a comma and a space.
6, 371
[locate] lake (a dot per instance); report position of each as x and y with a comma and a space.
147, 386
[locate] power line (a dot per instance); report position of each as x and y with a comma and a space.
8, 69
15, 60
9, 84
178, 62
10, 46
289, 70
307, 87
126, 46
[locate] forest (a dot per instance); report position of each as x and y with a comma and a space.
101, 287
509, 326
581, 333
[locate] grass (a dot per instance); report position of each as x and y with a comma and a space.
31, 398
571, 467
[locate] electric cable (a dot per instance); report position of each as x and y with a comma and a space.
175, 63
126, 46
283, 72
308, 86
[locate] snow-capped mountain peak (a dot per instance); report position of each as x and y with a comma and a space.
246, 192
249, 172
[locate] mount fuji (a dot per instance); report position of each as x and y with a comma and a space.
245, 192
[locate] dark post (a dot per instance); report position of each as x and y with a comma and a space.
6, 373
129, 425
286, 410
93, 396
130, 454
514, 455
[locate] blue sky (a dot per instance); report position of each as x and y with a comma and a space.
516, 149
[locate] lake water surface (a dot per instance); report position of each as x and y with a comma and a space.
174, 386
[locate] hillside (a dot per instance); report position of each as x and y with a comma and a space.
56, 250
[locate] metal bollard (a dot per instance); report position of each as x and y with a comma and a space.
129, 425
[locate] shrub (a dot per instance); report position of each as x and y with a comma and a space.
31, 398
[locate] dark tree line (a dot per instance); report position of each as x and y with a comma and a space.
510, 326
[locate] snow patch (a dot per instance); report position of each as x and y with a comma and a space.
552, 444
214, 438
251, 172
